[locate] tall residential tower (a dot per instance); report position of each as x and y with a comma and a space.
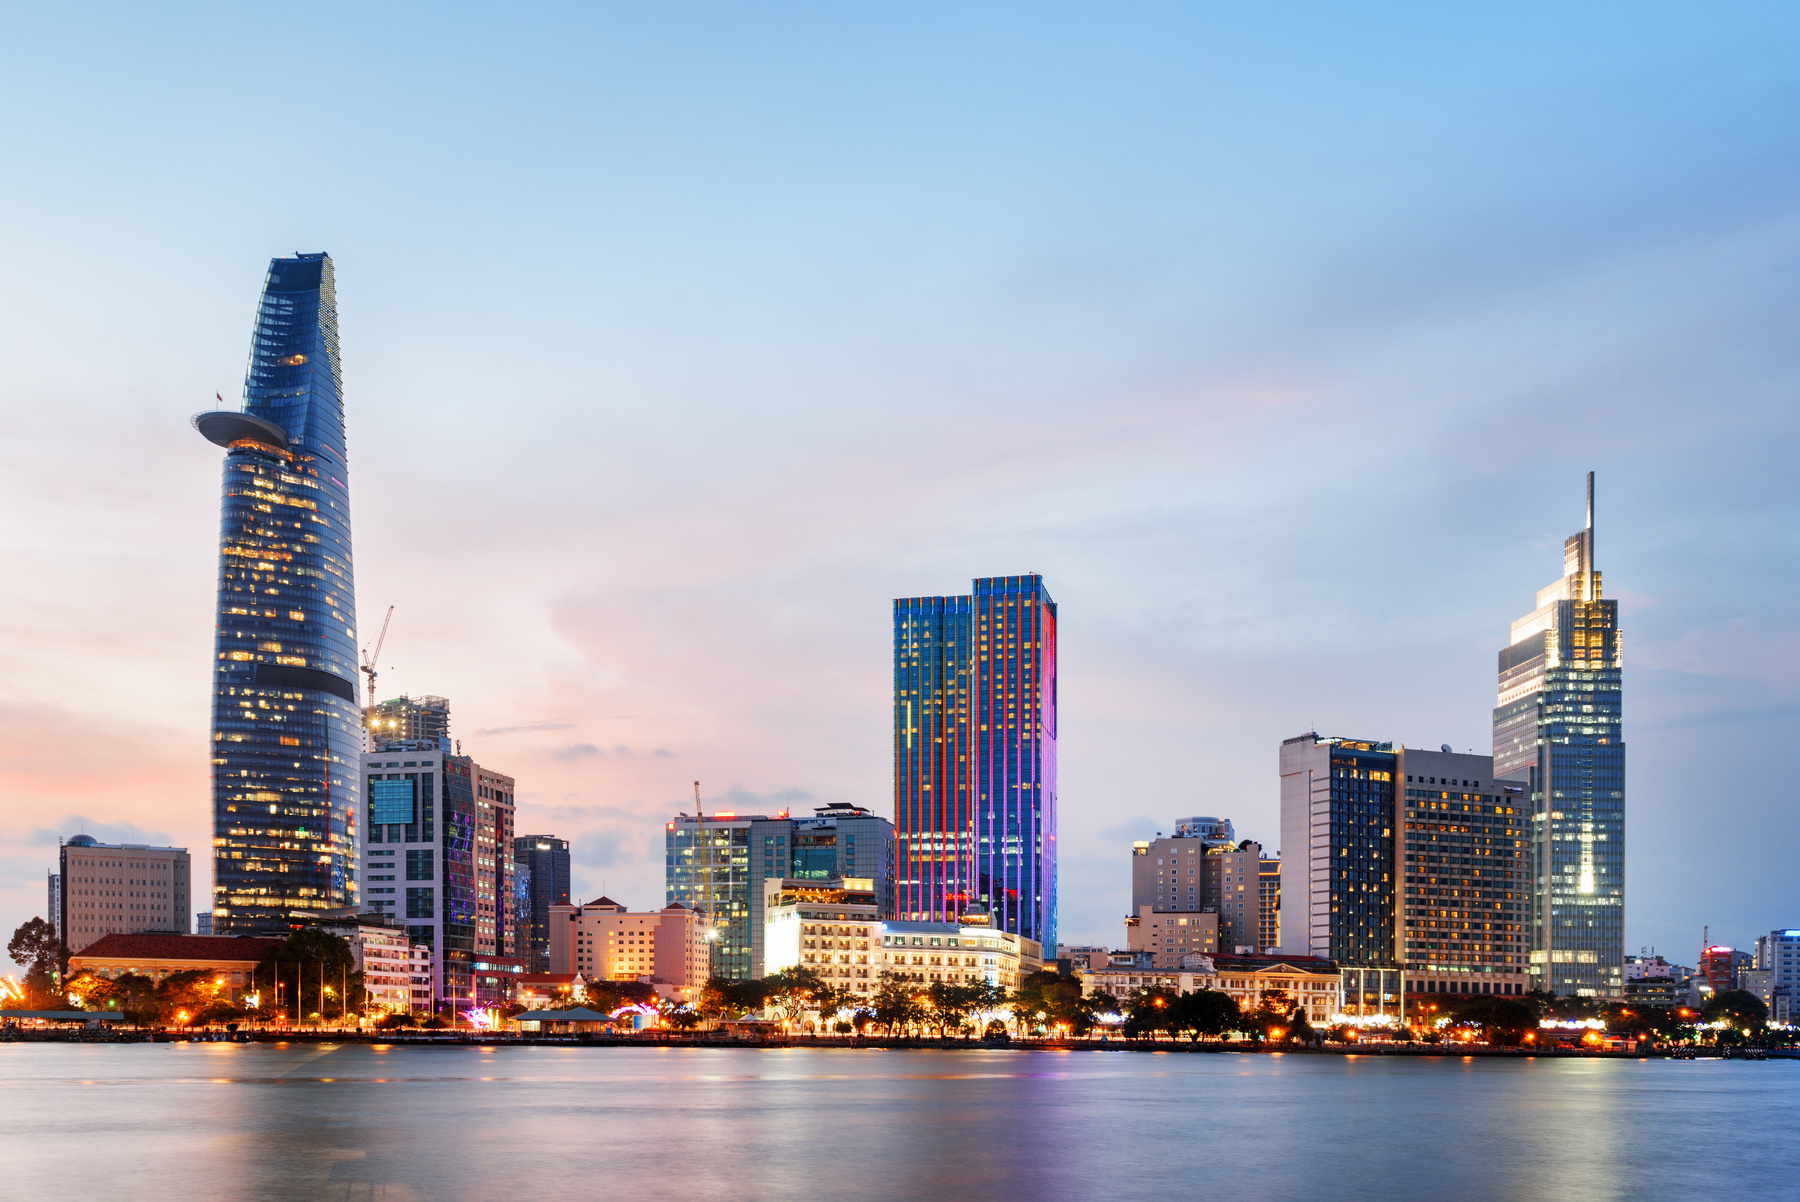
286, 731
975, 729
1557, 730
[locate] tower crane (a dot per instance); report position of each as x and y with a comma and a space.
369, 661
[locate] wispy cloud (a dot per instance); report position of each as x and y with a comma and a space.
495, 731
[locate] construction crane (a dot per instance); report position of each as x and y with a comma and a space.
369, 661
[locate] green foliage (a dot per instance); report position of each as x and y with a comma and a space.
1049, 1002
35, 945
309, 973
793, 991
897, 1005
1739, 1007
1502, 1020
727, 999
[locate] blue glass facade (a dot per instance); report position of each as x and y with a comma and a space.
286, 728
975, 730
1558, 731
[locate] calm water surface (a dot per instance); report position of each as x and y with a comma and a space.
206, 1121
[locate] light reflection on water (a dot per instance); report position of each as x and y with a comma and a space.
393, 1124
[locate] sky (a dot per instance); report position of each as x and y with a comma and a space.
678, 340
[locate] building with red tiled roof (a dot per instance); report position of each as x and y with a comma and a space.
158, 956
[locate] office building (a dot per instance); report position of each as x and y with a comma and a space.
603, 941
830, 927
1557, 729
286, 729
958, 953
1171, 938
540, 880
718, 866
437, 858
975, 776
1403, 858
409, 721
120, 889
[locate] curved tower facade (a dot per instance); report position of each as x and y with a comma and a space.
286, 729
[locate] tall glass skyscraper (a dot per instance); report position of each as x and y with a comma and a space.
1557, 730
287, 733
975, 729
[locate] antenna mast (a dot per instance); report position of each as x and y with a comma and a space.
1590, 541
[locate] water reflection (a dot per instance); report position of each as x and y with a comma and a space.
206, 1121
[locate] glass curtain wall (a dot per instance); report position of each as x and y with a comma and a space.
286, 730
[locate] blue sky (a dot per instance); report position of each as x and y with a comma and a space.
679, 340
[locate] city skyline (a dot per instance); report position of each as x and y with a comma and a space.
685, 371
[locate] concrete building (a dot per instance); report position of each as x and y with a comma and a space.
203, 922
958, 953
1559, 732
603, 941
1168, 936
725, 860
1199, 870
121, 889
437, 857
1122, 980
540, 880
1083, 957
53, 902
408, 722
832, 927
1268, 903
157, 956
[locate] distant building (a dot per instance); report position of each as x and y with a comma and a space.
1083, 958
724, 862
409, 721
121, 889
1213, 832
540, 880
1121, 980
203, 923
53, 902
1199, 870
1719, 968
1168, 936
437, 858
1779, 953
603, 941
157, 956
831, 927
958, 953
547, 989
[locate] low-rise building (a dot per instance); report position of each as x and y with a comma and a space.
958, 953
1083, 958
831, 927
547, 990
604, 941
382, 953
1121, 980
1312, 982
157, 956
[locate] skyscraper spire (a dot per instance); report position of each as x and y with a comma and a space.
286, 730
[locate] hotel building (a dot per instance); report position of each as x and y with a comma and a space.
956, 953
831, 927
1558, 730
975, 765
603, 941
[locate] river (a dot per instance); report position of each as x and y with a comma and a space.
538, 1124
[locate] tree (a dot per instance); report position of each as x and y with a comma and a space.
1502, 1020
793, 991
1048, 1001
1205, 1012
952, 1004
45, 957
1743, 1010
894, 1005
1151, 1009
311, 973
724, 998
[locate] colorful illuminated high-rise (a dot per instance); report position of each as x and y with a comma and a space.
286, 730
1558, 731
975, 783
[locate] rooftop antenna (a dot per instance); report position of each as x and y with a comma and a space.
1590, 539
369, 661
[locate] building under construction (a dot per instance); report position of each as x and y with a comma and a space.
419, 722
